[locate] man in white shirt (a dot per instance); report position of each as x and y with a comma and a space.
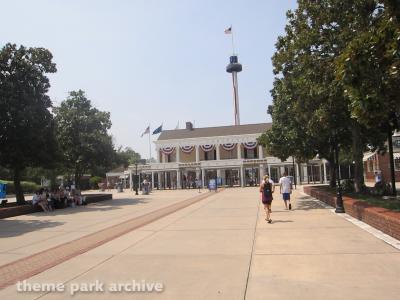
285, 187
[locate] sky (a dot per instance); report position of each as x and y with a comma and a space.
154, 62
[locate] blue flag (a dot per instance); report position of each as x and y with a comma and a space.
158, 130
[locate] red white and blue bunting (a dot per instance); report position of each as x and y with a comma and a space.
207, 148
250, 145
167, 150
187, 149
228, 146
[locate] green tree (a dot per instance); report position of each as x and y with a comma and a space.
26, 123
307, 88
126, 157
82, 132
369, 67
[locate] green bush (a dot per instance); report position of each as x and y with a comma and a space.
27, 186
348, 185
93, 181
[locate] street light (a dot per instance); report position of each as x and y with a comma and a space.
339, 199
294, 172
136, 178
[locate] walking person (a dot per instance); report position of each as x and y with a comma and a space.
285, 188
266, 190
198, 184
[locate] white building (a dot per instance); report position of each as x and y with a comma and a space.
230, 153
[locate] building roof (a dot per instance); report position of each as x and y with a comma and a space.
213, 131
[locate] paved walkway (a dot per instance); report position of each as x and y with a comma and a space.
222, 248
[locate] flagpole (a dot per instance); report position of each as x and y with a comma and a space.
149, 144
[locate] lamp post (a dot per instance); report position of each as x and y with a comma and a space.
294, 172
339, 199
136, 179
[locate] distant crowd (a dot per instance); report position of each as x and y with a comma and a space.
50, 200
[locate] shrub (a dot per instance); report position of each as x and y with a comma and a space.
348, 185
381, 189
27, 186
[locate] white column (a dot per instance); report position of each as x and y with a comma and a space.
152, 180
203, 175
159, 180
305, 173
198, 174
197, 153
241, 176
222, 172
218, 152
219, 172
178, 179
282, 170
162, 157
262, 173
178, 154
325, 181
269, 171
260, 152
165, 179
298, 174
239, 150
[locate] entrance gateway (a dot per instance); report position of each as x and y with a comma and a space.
230, 154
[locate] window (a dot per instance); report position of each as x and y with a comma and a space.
396, 143
397, 164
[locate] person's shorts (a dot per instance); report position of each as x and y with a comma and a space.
267, 200
286, 196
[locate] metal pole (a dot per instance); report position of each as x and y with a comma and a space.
339, 199
149, 145
136, 183
235, 98
294, 173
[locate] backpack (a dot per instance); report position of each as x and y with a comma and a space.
267, 191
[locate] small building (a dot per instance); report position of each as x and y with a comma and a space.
375, 162
229, 154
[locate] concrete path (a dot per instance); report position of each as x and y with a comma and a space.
25, 235
222, 248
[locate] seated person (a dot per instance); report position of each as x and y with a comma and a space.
63, 198
39, 201
50, 203
55, 198
36, 199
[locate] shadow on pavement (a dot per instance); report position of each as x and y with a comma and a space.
308, 203
92, 207
10, 228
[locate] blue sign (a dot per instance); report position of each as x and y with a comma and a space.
212, 185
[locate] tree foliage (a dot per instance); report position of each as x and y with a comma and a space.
82, 132
26, 123
126, 157
311, 111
